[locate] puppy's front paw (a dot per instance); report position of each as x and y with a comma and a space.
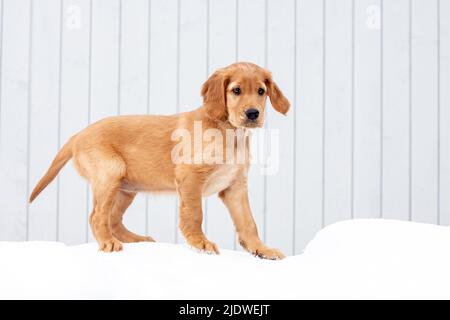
110, 245
204, 245
268, 253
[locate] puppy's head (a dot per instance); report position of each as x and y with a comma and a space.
238, 93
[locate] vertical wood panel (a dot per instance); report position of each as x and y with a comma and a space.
251, 32
395, 110
44, 114
134, 85
251, 46
163, 100
14, 119
308, 122
222, 52
280, 186
104, 92
74, 116
337, 180
424, 111
367, 110
104, 67
192, 55
4, 213
444, 103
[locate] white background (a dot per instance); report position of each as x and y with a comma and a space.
368, 134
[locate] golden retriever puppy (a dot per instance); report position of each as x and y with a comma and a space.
123, 155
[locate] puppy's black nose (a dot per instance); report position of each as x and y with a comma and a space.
252, 114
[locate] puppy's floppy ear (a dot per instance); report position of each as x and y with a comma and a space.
214, 95
277, 99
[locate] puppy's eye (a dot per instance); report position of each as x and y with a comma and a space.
237, 91
261, 91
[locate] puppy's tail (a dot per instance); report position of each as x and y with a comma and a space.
60, 160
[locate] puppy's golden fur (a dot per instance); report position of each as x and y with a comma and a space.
123, 155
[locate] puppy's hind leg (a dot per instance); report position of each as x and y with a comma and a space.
122, 202
100, 218
109, 170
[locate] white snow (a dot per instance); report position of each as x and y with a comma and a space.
381, 259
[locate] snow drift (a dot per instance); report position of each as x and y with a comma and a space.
381, 259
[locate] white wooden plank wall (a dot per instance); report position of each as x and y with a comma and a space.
338, 111
396, 107
251, 38
424, 111
221, 49
368, 135
163, 75
74, 113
